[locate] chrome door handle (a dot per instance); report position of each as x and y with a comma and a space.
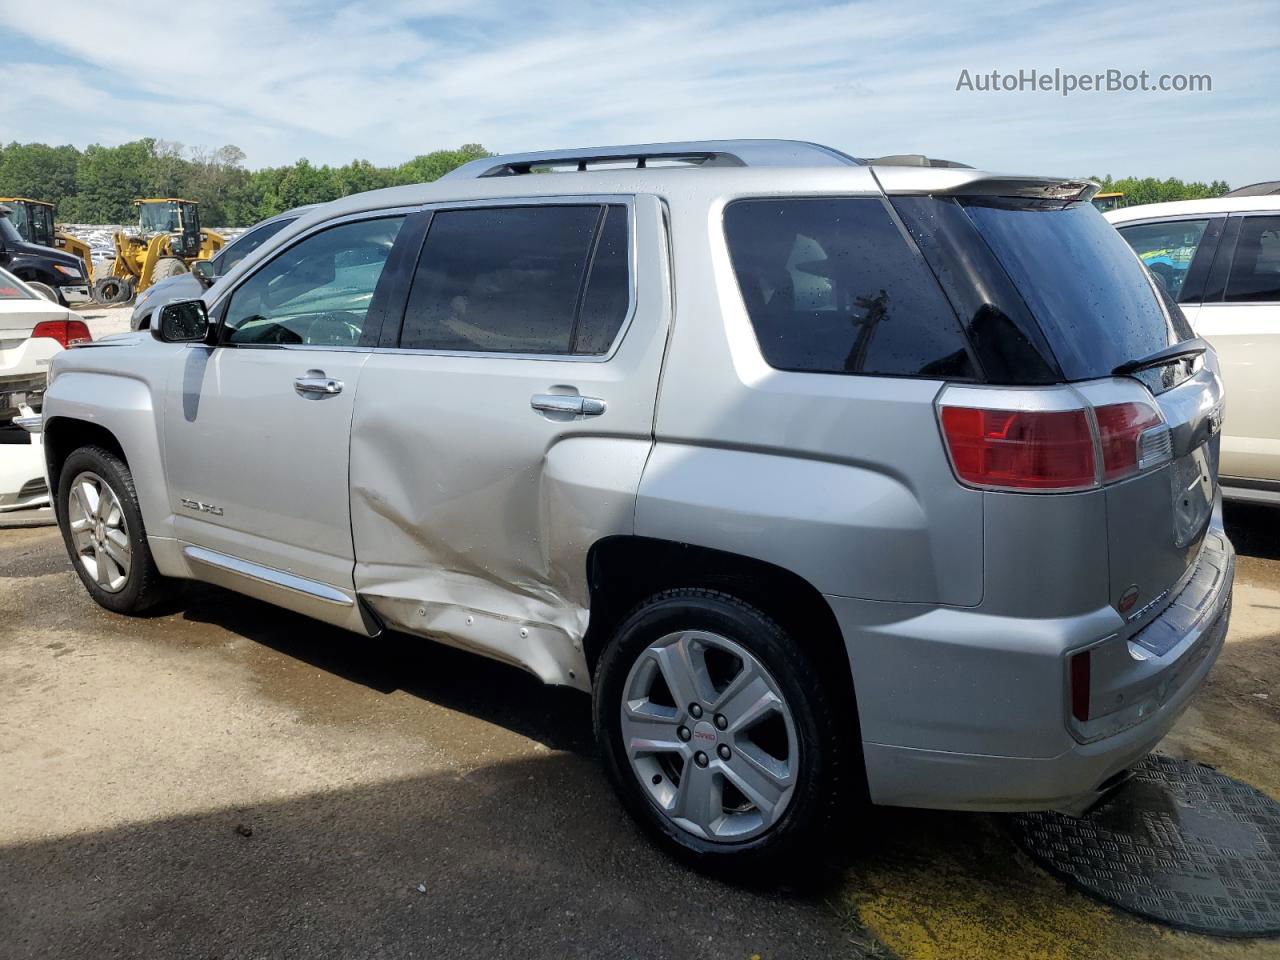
320, 386
568, 403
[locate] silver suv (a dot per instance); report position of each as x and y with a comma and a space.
830, 479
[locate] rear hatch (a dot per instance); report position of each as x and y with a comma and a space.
1051, 294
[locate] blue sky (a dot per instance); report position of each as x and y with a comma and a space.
284, 79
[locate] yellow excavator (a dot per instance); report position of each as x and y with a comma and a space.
34, 222
168, 240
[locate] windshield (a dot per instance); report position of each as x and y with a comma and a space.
1091, 295
158, 218
18, 217
244, 245
7, 231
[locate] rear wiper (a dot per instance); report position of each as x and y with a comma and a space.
1179, 351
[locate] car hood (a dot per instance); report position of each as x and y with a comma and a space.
48, 253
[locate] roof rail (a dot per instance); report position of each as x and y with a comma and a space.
694, 153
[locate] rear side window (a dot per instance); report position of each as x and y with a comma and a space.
532, 280
1097, 306
1255, 268
1167, 249
831, 286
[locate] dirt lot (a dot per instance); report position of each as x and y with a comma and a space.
229, 780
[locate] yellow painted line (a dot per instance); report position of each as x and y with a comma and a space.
954, 887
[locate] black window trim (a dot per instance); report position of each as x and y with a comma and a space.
567, 200
218, 309
979, 375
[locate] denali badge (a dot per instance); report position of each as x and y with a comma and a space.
199, 507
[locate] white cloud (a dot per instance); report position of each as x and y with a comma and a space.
283, 78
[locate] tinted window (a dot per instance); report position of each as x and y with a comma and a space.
1167, 249
1255, 268
511, 280
316, 292
608, 293
1088, 292
832, 286
245, 244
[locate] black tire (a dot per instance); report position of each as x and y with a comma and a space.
167, 267
144, 586
110, 291
49, 293
828, 749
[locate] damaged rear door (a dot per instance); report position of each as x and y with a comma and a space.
502, 428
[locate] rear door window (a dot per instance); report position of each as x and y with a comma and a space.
1255, 267
1085, 287
832, 286
537, 279
1167, 249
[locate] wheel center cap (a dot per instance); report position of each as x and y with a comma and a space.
705, 734
98, 531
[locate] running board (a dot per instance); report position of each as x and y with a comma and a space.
269, 575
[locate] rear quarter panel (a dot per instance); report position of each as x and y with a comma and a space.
841, 479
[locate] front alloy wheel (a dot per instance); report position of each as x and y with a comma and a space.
99, 531
709, 734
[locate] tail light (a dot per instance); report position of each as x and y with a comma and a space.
1132, 437
66, 332
1020, 449
1075, 446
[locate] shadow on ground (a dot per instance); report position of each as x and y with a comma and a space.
523, 859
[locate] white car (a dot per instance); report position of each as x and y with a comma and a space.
32, 330
1220, 259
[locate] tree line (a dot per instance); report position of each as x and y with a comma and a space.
99, 184
1138, 190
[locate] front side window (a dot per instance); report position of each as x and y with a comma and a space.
1255, 268
1167, 249
831, 286
317, 292
539, 279
245, 244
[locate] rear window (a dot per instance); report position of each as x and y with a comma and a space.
1255, 268
832, 286
1085, 287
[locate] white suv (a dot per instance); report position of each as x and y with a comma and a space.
1220, 259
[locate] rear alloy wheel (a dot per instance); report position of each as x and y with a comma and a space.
720, 735
103, 532
709, 735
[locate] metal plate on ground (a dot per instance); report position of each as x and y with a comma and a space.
1179, 843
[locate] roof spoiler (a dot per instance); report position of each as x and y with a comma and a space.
964, 182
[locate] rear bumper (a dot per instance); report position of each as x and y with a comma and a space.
979, 718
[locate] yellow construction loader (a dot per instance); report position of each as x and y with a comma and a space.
34, 222
168, 240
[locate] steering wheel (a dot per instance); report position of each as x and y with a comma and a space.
335, 328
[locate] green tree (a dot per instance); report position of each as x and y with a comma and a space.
1150, 190
38, 171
